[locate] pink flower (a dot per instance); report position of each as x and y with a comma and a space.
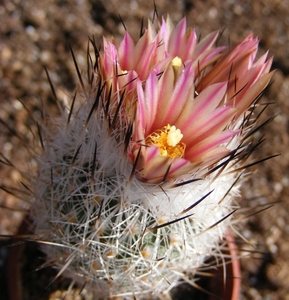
189, 97
177, 130
121, 66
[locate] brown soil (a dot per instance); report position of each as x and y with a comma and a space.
36, 34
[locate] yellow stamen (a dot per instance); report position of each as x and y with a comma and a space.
168, 140
176, 62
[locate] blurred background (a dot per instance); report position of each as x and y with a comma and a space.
36, 34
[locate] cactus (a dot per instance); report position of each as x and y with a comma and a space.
138, 179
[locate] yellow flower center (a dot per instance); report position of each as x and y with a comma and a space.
168, 140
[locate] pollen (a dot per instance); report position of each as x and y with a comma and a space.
168, 140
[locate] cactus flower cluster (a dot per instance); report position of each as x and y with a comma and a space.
138, 179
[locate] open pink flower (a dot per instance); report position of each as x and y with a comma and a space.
175, 129
190, 97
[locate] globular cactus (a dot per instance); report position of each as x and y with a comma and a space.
139, 177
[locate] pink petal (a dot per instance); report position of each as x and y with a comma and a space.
166, 88
215, 155
126, 52
262, 65
209, 125
151, 100
175, 42
235, 63
165, 31
162, 64
200, 150
141, 108
188, 45
144, 64
207, 58
140, 48
239, 86
204, 103
155, 166
151, 166
205, 44
245, 99
109, 57
183, 92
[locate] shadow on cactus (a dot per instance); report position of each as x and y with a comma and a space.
138, 178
